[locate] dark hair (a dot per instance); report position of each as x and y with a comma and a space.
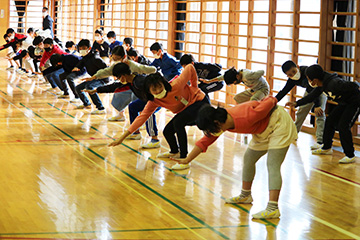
129, 41
99, 31
315, 71
132, 52
55, 59
30, 30
10, 30
5, 36
119, 51
45, 8
207, 116
186, 59
287, 66
230, 76
49, 41
155, 79
156, 46
69, 44
121, 69
84, 43
111, 34
37, 40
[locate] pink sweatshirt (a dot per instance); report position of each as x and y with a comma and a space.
179, 98
249, 117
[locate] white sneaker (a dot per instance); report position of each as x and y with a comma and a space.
134, 136
347, 160
75, 100
321, 151
98, 112
239, 199
20, 71
151, 144
179, 166
316, 146
168, 155
265, 214
117, 119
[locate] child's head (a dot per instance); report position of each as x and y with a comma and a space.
31, 32
118, 53
38, 42
111, 36
6, 37
186, 59
56, 59
232, 76
211, 120
122, 72
45, 11
84, 47
291, 70
133, 54
157, 49
99, 33
128, 42
48, 44
11, 33
315, 74
156, 86
70, 45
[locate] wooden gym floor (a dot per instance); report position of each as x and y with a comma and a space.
61, 181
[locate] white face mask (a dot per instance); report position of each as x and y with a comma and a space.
217, 134
157, 56
97, 38
83, 52
12, 37
160, 95
44, 14
313, 85
297, 75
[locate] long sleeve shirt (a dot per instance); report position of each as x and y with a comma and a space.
103, 48
92, 62
251, 79
114, 44
18, 38
135, 68
249, 117
69, 62
46, 56
336, 89
207, 70
302, 82
179, 98
169, 66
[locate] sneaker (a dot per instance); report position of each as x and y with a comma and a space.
50, 89
10, 68
75, 100
168, 155
151, 144
321, 151
316, 146
347, 160
98, 112
266, 214
31, 75
117, 119
239, 199
179, 166
20, 71
83, 107
134, 136
63, 96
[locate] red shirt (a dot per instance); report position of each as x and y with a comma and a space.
46, 56
249, 117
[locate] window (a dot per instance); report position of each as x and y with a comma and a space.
26, 14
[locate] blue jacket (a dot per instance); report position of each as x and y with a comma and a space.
169, 66
114, 44
69, 62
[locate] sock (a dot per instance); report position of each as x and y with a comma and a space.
245, 193
272, 206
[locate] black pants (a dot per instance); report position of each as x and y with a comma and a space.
20, 57
177, 125
70, 78
36, 59
211, 87
342, 118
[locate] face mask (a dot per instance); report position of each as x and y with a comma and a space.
313, 85
297, 75
217, 134
83, 52
47, 49
160, 95
44, 14
97, 38
157, 56
12, 37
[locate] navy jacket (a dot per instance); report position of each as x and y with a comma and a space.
92, 62
69, 62
103, 48
169, 66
